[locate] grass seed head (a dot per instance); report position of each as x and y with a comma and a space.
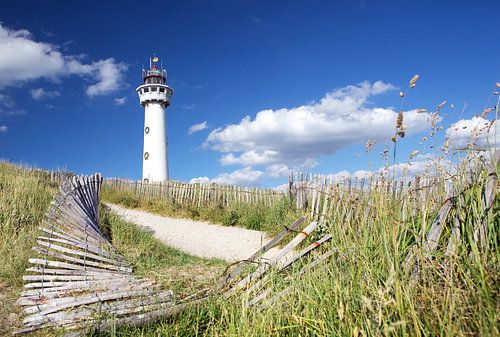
486, 112
399, 120
370, 144
413, 81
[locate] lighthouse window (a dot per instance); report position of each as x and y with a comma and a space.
146, 130
146, 155
162, 89
146, 89
153, 89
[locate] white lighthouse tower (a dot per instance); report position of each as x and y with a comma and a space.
154, 96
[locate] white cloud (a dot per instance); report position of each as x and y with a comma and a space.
7, 107
281, 188
3, 128
40, 93
341, 175
200, 180
278, 170
245, 176
24, 59
197, 127
256, 19
188, 106
294, 136
475, 131
6, 101
421, 165
120, 100
109, 75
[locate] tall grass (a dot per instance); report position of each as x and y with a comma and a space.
364, 290
24, 197
361, 291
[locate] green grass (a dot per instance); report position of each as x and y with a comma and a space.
362, 291
270, 219
24, 197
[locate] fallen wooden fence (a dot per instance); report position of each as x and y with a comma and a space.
80, 283
78, 278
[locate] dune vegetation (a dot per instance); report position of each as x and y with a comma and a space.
363, 290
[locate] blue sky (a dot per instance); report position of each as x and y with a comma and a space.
326, 73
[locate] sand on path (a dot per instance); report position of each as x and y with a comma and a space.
198, 238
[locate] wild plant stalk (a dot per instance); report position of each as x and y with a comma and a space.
400, 127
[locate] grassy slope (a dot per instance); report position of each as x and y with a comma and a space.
362, 291
24, 198
268, 219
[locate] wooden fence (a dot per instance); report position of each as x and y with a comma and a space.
79, 282
445, 196
307, 188
198, 194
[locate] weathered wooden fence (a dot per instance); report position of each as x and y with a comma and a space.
306, 188
255, 285
442, 195
79, 282
198, 194
78, 278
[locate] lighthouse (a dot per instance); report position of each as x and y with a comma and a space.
154, 96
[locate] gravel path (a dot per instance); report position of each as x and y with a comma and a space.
196, 237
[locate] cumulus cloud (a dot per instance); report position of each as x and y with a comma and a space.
120, 100
419, 166
3, 128
197, 127
109, 75
24, 59
476, 131
245, 176
200, 180
40, 94
298, 135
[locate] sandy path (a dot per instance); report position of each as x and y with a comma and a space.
196, 237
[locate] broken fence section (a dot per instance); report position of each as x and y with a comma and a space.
80, 283
77, 278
